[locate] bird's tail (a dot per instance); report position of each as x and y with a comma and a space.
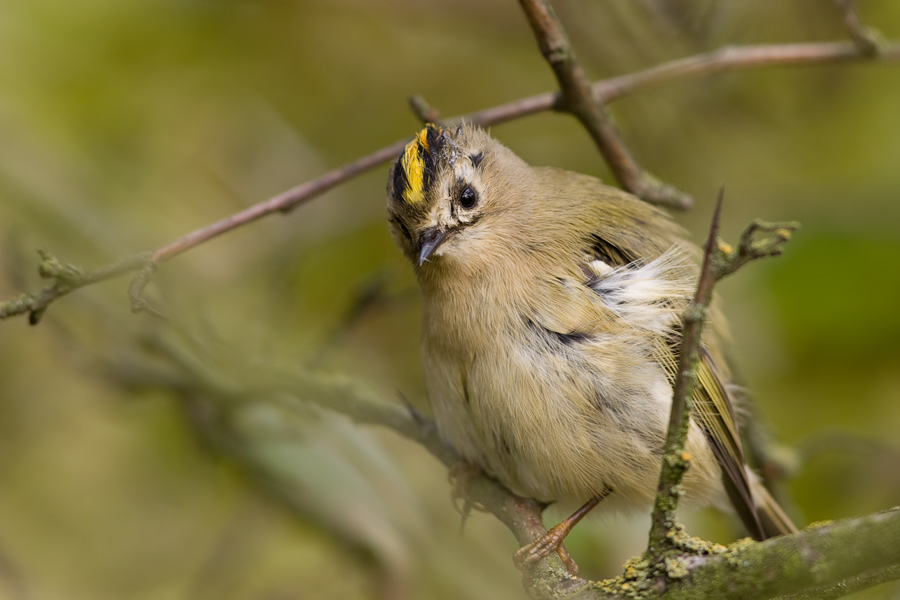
772, 517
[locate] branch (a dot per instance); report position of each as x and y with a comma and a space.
728, 58
66, 279
283, 202
813, 558
759, 240
849, 585
424, 111
847, 555
864, 551
578, 99
820, 556
867, 40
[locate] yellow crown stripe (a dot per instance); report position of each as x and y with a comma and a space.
422, 136
414, 167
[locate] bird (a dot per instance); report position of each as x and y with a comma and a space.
551, 320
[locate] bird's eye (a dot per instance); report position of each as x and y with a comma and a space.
468, 198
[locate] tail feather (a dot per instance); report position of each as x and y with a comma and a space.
772, 517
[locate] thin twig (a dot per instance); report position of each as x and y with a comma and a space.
675, 462
424, 111
66, 279
719, 260
283, 202
725, 59
867, 40
730, 58
579, 100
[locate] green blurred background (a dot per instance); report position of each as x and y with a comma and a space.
129, 465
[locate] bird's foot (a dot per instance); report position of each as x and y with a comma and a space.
528, 555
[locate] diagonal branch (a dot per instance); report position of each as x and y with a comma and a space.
578, 99
675, 461
283, 202
725, 59
759, 240
67, 278
850, 554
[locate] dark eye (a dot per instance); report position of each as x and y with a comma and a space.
468, 197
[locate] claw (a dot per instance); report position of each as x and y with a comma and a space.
527, 556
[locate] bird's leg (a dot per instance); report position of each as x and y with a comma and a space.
531, 553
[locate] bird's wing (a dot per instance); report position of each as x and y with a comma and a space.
641, 238
712, 408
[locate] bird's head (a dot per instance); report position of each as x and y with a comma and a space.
446, 187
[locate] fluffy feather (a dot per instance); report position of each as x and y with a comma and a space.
552, 310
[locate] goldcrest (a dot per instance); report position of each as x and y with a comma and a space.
552, 314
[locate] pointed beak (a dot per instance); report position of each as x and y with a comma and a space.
430, 241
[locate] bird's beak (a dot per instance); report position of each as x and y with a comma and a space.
430, 241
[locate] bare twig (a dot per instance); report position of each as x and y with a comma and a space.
675, 462
867, 40
66, 279
730, 58
283, 202
758, 240
424, 111
727, 58
817, 556
578, 99
724, 59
